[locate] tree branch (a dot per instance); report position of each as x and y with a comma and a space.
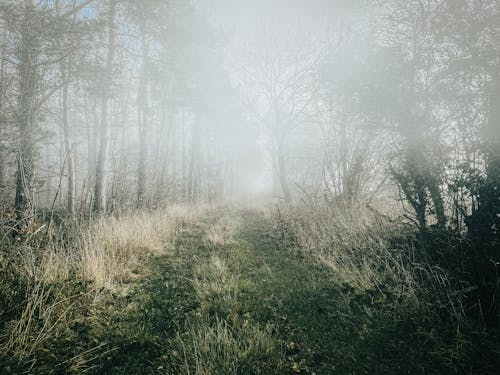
78, 8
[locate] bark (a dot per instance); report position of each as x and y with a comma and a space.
166, 153
2, 167
437, 200
3, 148
194, 166
185, 183
27, 121
99, 204
92, 138
68, 148
283, 175
142, 119
69, 160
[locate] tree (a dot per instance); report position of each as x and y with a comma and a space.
354, 149
35, 27
281, 70
99, 203
6, 120
27, 116
400, 93
471, 29
65, 43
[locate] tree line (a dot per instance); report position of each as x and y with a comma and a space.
108, 104
105, 103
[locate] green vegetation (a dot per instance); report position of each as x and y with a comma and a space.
235, 292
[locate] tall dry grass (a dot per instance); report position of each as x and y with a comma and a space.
366, 247
223, 230
45, 282
111, 247
377, 258
351, 239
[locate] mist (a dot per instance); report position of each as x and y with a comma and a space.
189, 112
210, 150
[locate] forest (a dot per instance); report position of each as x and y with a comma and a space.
249, 187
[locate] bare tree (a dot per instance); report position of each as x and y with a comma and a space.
27, 117
281, 73
99, 204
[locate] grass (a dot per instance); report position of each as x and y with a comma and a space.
232, 291
55, 295
112, 249
403, 302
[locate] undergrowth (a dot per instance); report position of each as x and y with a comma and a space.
303, 289
53, 285
410, 297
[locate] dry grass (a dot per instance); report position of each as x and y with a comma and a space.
368, 251
105, 254
47, 265
215, 278
379, 283
352, 240
42, 318
376, 256
111, 247
222, 232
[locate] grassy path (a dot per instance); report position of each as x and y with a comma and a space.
227, 300
222, 294
226, 296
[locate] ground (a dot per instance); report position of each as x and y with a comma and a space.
231, 295
239, 304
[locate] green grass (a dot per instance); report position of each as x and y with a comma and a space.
230, 296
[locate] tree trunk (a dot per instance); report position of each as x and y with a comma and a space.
283, 175
184, 163
141, 168
68, 148
194, 166
2, 168
27, 122
437, 200
413, 182
3, 120
142, 119
99, 205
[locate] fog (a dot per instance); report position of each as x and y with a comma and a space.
249, 186
116, 104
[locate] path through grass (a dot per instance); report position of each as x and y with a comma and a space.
230, 299
227, 300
